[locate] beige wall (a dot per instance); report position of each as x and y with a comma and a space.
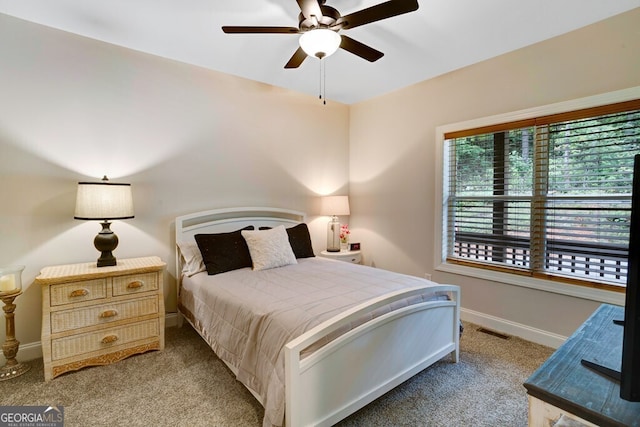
187, 139
393, 155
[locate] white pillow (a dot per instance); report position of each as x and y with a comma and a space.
269, 248
191, 258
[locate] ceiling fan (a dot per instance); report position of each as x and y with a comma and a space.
319, 26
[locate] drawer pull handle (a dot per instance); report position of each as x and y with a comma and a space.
108, 313
135, 285
79, 293
109, 339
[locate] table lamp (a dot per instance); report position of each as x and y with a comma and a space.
104, 201
334, 206
10, 289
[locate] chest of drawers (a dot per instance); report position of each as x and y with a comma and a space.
97, 316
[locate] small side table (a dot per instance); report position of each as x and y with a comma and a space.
354, 257
100, 315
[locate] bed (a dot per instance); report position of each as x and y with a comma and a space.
313, 339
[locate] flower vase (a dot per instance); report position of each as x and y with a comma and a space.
344, 237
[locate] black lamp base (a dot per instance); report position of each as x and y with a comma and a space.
106, 242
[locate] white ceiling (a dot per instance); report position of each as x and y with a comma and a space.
441, 36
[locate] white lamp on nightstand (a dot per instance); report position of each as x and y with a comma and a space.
334, 206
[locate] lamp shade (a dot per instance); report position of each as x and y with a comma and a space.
320, 42
103, 201
334, 205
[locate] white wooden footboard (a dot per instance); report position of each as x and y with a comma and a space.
361, 365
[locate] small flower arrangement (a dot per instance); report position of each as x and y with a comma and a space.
344, 233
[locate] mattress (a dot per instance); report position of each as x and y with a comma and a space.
248, 316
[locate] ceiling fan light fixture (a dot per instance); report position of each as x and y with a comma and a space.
320, 42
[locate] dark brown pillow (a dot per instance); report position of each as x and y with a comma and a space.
299, 239
223, 252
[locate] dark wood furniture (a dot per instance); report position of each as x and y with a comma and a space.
562, 388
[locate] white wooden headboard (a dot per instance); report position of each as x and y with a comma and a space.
230, 219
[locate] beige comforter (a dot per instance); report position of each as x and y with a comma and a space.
248, 316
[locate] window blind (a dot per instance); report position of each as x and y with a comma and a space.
545, 197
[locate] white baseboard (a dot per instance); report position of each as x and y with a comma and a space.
508, 327
171, 319
30, 351
33, 350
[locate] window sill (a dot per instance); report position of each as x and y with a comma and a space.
577, 291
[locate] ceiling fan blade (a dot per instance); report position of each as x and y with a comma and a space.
296, 59
378, 12
260, 30
310, 8
360, 49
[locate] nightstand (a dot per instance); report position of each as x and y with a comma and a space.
100, 315
354, 257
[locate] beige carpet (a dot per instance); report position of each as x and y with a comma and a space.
187, 385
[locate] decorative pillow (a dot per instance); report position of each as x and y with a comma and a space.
299, 239
269, 248
191, 258
223, 252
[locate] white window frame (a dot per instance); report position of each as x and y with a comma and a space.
595, 294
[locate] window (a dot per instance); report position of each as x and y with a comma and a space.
547, 197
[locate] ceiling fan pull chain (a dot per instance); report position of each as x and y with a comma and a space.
324, 84
320, 80
323, 74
